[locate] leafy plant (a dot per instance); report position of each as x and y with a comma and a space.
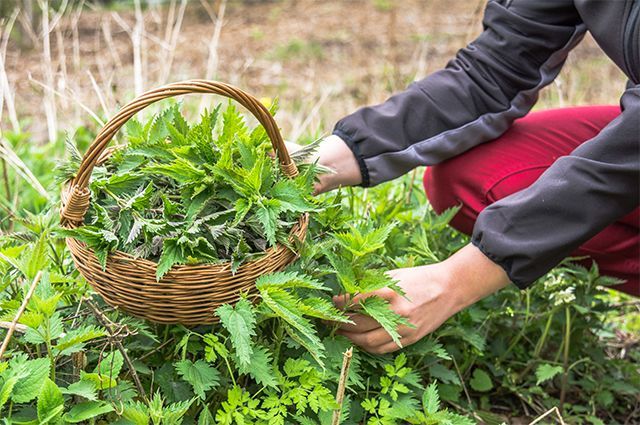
181, 194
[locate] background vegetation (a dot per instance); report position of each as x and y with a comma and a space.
66, 66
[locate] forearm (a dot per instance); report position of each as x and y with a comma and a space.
471, 276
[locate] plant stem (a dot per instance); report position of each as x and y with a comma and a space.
23, 306
565, 363
342, 383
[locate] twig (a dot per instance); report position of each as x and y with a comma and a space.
64, 96
342, 384
109, 326
5, 89
18, 327
23, 306
547, 413
48, 101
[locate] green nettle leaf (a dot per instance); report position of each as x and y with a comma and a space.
289, 309
74, 340
267, 215
82, 388
481, 381
260, 367
172, 254
87, 410
324, 309
380, 310
110, 365
431, 399
50, 403
199, 374
27, 388
240, 322
7, 389
288, 280
207, 195
546, 372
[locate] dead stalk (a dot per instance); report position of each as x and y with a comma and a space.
72, 98
75, 34
114, 339
111, 47
98, 92
5, 89
18, 327
23, 306
47, 71
342, 385
136, 41
173, 41
212, 61
547, 413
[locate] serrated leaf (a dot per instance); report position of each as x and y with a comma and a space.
172, 254
431, 399
267, 215
481, 381
260, 367
240, 322
27, 388
75, 339
50, 402
82, 388
380, 310
324, 309
546, 372
87, 410
287, 280
199, 374
110, 365
285, 306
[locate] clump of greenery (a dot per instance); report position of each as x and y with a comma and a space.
181, 194
275, 359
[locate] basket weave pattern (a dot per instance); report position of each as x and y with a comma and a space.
187, 294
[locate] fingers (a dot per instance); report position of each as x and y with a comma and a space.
368, 340
345, 300
361, 323
378, 341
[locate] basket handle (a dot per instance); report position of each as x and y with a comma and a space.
75, 198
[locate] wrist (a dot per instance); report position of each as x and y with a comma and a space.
336, 155
471, 276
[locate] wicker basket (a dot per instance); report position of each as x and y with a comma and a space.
187, 294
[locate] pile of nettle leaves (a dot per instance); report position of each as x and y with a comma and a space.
175, 195
277, 361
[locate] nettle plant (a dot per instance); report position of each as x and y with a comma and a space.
181, 194
275, 358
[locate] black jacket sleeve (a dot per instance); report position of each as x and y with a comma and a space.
531, 231
489, 84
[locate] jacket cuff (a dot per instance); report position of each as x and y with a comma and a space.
478, 242
364, 171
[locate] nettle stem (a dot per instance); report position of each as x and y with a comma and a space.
565, 363
342, 385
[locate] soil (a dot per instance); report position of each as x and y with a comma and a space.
322, 59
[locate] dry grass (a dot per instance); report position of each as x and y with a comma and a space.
323, 59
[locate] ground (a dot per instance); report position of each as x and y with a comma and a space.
323, 59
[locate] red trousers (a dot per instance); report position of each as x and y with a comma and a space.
494, 170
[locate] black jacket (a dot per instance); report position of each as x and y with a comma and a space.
489, 84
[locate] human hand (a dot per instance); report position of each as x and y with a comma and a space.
426, 305
433, 293
333, 153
